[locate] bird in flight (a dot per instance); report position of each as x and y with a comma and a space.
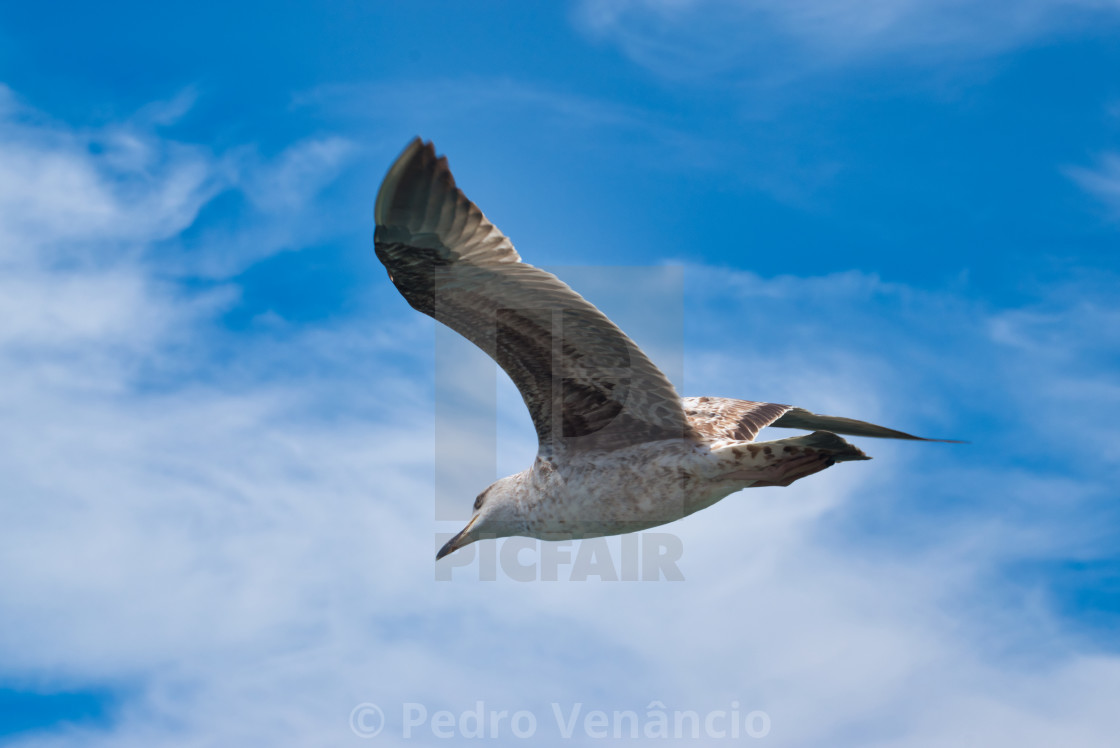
618, 449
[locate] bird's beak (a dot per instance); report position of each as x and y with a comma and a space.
457, 542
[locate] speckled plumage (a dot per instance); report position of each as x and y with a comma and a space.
618, 449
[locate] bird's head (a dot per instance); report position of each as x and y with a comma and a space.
497, 514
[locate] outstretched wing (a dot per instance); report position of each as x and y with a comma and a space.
586, 384
741, 420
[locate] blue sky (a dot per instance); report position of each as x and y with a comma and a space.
217, 434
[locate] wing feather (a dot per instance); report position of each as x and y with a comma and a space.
799, 418
735, 420
586, 384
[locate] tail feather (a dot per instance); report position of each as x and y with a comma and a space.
784, 461
825, 442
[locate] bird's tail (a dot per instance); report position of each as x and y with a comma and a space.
783, 461
824, 443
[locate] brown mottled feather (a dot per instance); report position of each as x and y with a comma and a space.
586, 384
719, 418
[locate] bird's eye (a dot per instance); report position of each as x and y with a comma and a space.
481, 498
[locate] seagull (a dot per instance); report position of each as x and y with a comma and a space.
618, 449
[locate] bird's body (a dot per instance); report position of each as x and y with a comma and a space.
619, 450
592, 493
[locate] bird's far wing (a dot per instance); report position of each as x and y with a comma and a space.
586, 384
741, 420
799, 418
724, 418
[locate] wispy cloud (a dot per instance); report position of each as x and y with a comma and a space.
297, 175
62, 188
692, 38
562, 123
1101, 181
457, 104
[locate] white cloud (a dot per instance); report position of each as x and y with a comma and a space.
54, 190
249, 556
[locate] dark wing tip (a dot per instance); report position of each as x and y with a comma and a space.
799, 418
413, 159
420, 206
